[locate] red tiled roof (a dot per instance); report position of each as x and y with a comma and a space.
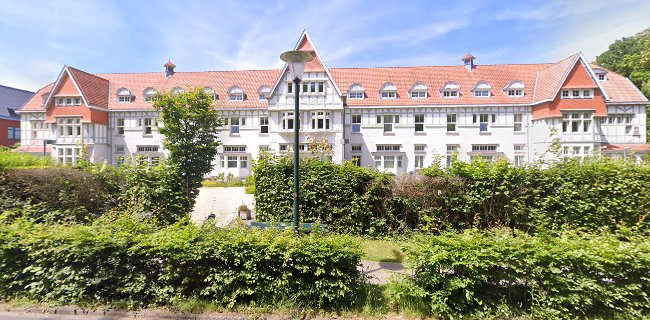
93, 88
636, 147
620, 88
34, 149
36, 102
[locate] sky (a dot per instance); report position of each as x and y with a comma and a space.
113, 36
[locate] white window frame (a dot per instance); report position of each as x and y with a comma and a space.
388, 120
419, 123
452, 122
355, 119
120, 125
264, 125
67, 155
67, 101
69, 127
320, 120
287, 121
519, 122
13, 133
418, 161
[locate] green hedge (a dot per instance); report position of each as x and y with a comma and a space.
500, 273
125, 261
346, 197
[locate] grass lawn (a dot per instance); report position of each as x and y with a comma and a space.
382, 250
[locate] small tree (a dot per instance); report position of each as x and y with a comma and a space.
190, 126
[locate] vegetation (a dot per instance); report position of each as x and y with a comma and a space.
119, 260
11, 159
191, 128
382, 250
505, 273
631, 58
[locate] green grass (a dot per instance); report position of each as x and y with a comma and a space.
11, 159
382, 250
222, 184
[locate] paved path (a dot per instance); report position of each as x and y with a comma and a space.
382, 272
222, 202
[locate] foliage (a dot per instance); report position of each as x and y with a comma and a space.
631, 58
190, 127
11, 159
347, 198
502, 273
123, 260
56, 194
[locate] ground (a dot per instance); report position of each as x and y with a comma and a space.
222, 202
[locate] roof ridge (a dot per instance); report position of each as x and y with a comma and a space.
448, 66
87, 73
12, 88
181, 72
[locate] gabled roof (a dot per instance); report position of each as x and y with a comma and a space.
93, 88
14, 99
620, 89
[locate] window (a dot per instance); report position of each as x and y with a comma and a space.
388, 121
519, 160
419, 147
320, 120
287, 121
356, 159
313, 87
265, 149
389, 147
356, 123
243, 162
235, 122
148, 148
484, 119
586, 93
482, 89
232, 161
14, 133
356, 148
263, 92
419, 91
262, 97
484, 147
601, 77
419, 122
264, 124
481, 93
69, 127
289, 87
119, 149
515, 93
124, 99
389, 91
419, 162
356, 95
234, 149
210, 92
119, 125
576, 122
236, 94
67, 155
450, 90
565, 93
12, 112
150, 94
518, 147
515, 89
577, 94
519, 122
451, 122
68, 101
147, 125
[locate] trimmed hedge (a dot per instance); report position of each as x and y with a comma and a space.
348, 198
125, 261
502, 273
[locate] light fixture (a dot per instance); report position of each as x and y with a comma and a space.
296, 60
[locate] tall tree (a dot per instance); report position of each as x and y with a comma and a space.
630, 57
190, 125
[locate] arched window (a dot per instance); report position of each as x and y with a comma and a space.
356, 92
263, 92
236, 93
177, 90
124, 95
482, 89
450, 90
515, 89
150, 94
419, 91
388, 91
210, 91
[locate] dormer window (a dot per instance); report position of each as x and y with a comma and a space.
419, 91
209, 91
177, 90
356, 92
124, 95
482, 90
515, 89
150, 94
389, 91
236, 94
263, 92
450, 90
601, 74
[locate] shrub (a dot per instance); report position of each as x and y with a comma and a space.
126, 261
11, 159
501, 272
346, 197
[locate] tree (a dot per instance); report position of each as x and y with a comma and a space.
631, 58
190, 126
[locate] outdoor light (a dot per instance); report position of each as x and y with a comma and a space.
296, 61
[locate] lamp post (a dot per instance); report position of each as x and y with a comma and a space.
296, 61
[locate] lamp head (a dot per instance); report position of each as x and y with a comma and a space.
296, 60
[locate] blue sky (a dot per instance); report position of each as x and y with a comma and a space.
39, 37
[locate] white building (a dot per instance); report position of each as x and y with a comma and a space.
396, 119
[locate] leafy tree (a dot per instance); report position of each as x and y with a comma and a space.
630, 57
190, 126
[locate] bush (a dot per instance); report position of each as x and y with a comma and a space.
502, 273
55, 194
126, 261
11, 159
348, 198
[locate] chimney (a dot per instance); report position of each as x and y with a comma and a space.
468, 59
169, 68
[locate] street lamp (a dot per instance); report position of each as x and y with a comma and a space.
296, 61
